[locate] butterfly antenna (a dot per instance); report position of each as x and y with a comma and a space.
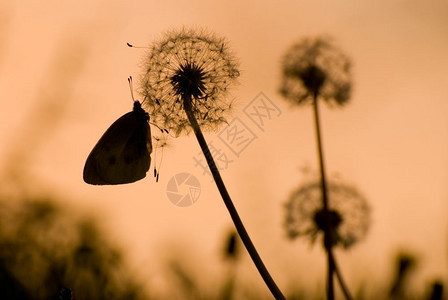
131, 88
155, 160
156, 169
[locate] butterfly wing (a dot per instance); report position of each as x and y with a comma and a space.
122, 155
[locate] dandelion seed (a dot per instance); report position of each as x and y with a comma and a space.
348, 214
188, 64
315, 67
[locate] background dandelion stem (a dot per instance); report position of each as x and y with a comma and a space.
229, 204
320, 153
341, 281
327, 225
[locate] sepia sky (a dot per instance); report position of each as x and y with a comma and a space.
63, 71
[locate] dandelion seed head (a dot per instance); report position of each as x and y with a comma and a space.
348, 214
314, 66
188, 64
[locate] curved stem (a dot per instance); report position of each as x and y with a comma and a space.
229, 204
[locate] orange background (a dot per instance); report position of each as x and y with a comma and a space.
63, 70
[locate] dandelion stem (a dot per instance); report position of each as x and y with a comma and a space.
341, 281
332, 266
229, 204
328, 243
327, 225
330, 284
320, 153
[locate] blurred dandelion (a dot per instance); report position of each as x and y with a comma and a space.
185, 84
348, 213
315, 69
188, 64
314, 66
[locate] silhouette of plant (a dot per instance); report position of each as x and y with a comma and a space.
314, 69
348, 212
436, 292
185, 82
192, 65
405, 263
232, 247
231, 255
48, 253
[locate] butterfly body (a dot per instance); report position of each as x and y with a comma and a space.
122, 154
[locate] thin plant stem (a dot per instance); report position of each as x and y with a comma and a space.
330, 282
327, 226
332, 265
320, 153
229, 204
341, 281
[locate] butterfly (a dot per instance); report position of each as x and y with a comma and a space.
122, 154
